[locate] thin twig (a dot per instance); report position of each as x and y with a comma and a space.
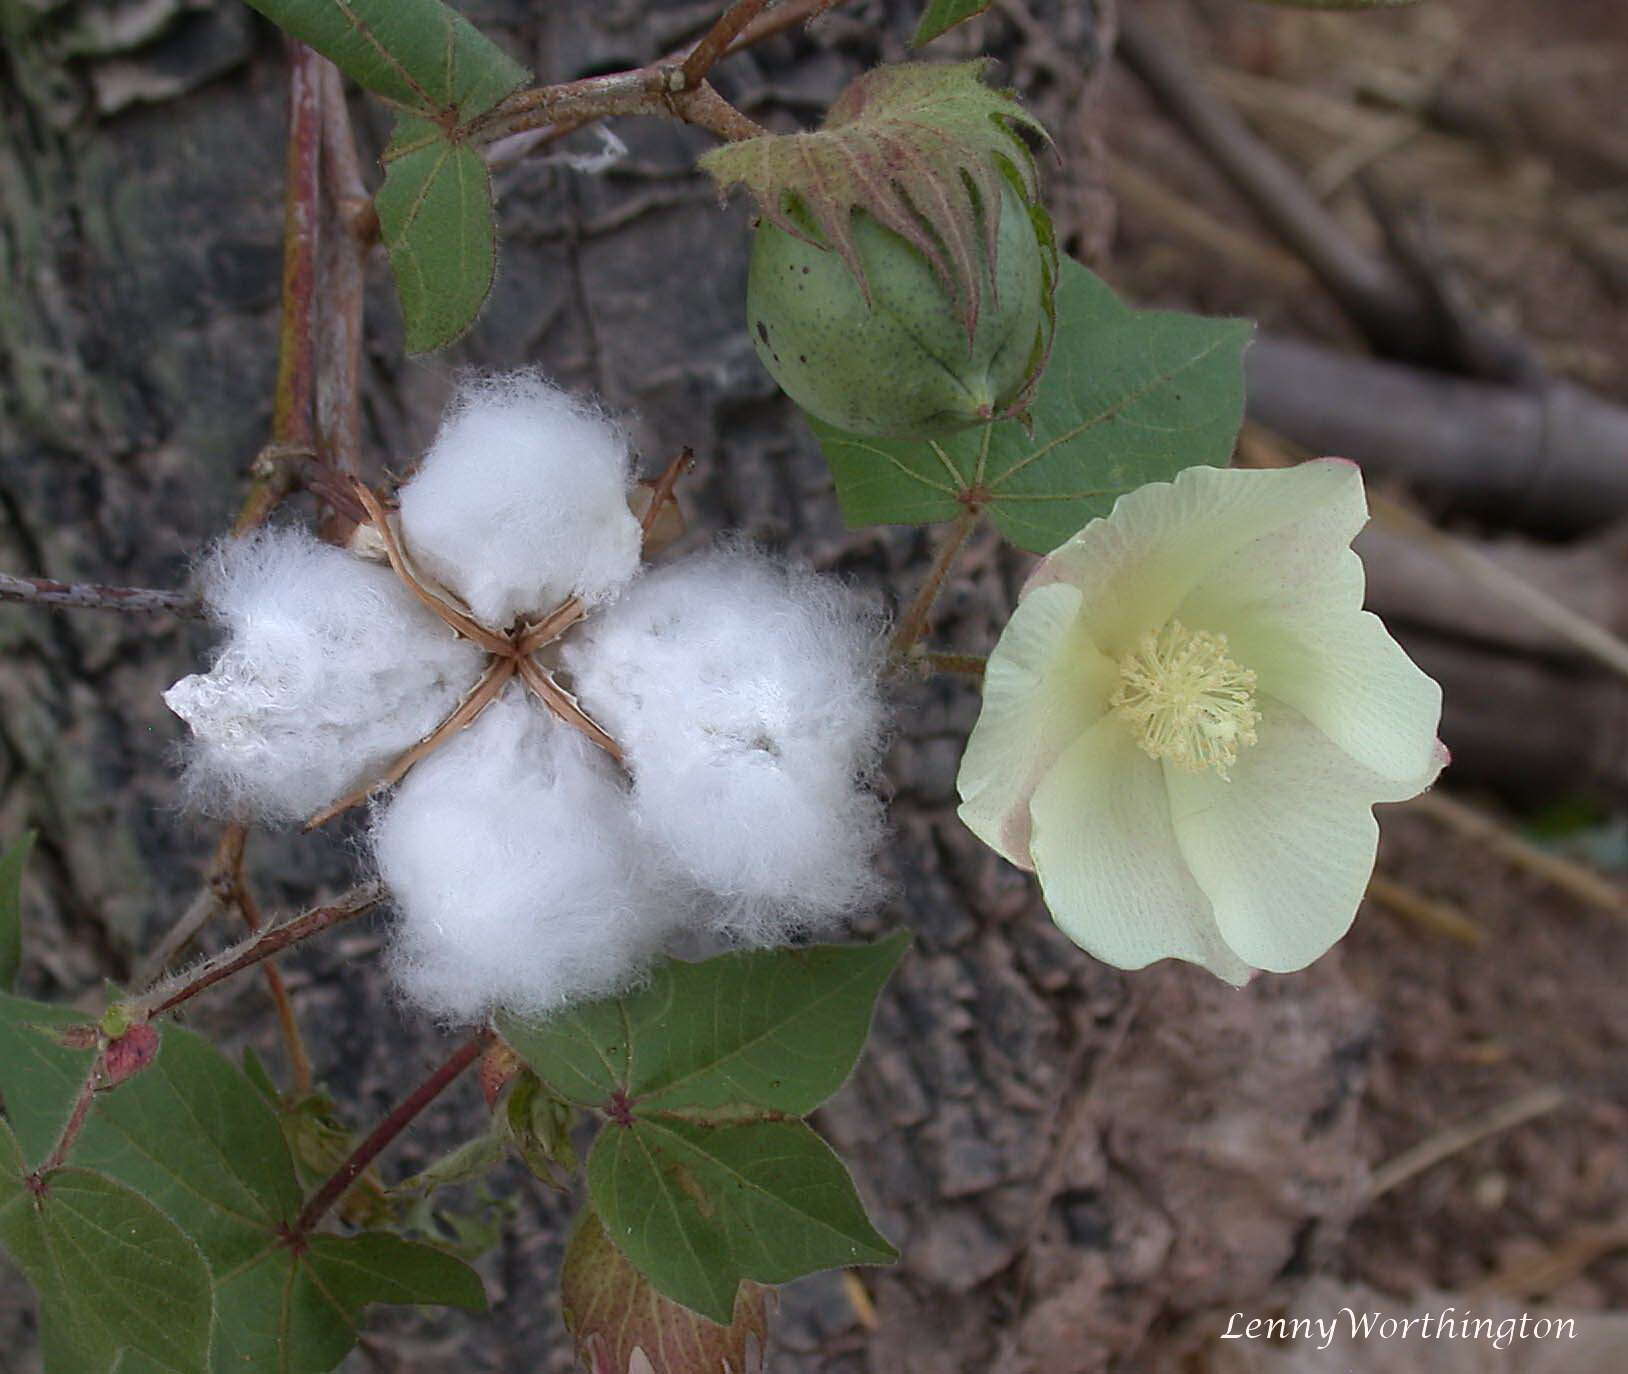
1566, 874
386, 1131
1447, 1143
274, 472
344, 259
658, 89
1440, 917
913, 624
715, 42
90, 596
235, 882
181, 988
1382, 298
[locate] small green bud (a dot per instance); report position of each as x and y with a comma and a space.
900, 364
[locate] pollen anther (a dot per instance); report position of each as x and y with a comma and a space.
1185, 700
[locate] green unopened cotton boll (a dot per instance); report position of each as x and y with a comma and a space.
899, 365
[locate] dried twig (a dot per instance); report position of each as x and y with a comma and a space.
1566, 874
1383, 299
1447, 1143
1439, 917
42, 591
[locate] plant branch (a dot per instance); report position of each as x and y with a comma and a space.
89, 596
386, 1131
170, 993
233, 883
274, 472
658, 89
715, 42
913, 624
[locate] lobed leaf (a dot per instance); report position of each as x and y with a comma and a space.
1129, 397
113, 1273
288, 1313
758, 1031
420, 54
11, 910
437, 220
700, 1208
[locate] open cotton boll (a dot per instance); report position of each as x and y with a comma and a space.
518, 873
330, 671
744, 695
522, 501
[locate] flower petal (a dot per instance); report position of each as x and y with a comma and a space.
1162, 540
1045, 684
1289, 605
1285, 850
1109, 865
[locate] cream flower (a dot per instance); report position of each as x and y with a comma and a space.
1189, 718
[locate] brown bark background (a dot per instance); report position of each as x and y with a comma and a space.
1073, 1162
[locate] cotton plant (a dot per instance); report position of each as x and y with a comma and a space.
588, 765
1189, 718
704, 776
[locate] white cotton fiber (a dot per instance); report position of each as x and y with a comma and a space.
744, 696
329, 672
522, 501
515, 865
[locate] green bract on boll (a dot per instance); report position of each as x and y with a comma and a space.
902, 363
904, 269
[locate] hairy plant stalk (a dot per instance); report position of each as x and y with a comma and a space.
913, 624
172, 992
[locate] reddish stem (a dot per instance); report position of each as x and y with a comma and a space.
386, 1131
263, 946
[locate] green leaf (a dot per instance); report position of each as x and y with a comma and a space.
699, 1208
941, 15
112, 1271
40, 1077
297, 1314
191, 1133
761, 1031
418, 53
11, 910
436, 216
1129, 397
